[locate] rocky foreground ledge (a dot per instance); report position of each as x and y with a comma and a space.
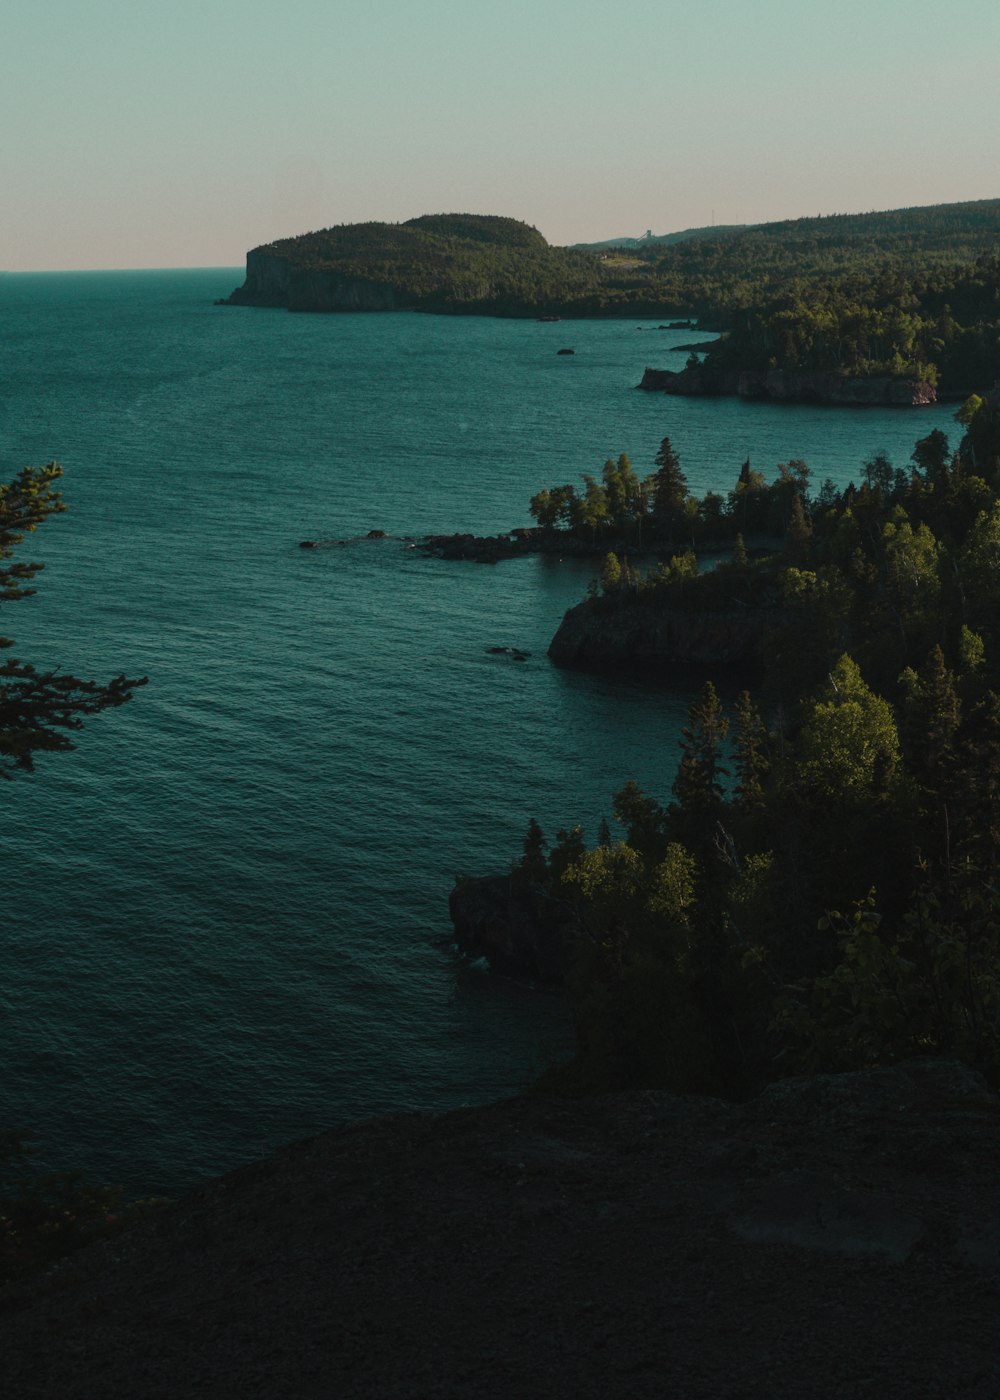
837, 1237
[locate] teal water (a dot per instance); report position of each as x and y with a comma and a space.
225, 917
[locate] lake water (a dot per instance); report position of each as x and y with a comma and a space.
225, 921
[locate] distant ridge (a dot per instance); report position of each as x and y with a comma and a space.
484, 264
910, 218
683, 236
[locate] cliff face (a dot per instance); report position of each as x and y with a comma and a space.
509, 929
272, 280
782, 386
636, 634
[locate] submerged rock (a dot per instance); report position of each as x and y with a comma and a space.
515, 653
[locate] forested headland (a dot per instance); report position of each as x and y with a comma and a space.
820, 892
909, 294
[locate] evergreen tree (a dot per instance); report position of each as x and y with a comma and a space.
752, 759
569, 848
670, 491
592, 511
643, 819
533, 865
931, 455
611, 573
699, 785
39, 709
798, 533
931, 715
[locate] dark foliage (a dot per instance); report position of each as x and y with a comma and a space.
39, 710
833, 899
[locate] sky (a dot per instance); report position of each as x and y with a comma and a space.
183, 133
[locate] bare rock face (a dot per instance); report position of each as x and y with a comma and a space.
613, 633
837, 1237
272, 280
267, 281
783, 386
694, 381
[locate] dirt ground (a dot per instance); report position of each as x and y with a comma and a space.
836, 1237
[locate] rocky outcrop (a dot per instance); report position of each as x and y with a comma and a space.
782, 386
836, 1237
491, 549
517, 933
693, 382
610, 632
273, 280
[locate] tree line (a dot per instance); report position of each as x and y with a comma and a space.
820, 891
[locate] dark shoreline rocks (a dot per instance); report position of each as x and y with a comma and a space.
515, 544
638, 634
353, 539
783, 386
518, 933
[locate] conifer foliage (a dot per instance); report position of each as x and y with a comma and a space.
823, 890
39, 710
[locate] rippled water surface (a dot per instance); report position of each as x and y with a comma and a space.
225, 921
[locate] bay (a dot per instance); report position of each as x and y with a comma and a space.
225, 916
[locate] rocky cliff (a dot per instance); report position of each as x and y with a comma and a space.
273, 280
782, 386
457, 263
836, 1238
613, 632
515, 932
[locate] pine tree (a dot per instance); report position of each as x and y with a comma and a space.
38, 709
798, 533
611, 573
752, 760
698, 787
669, 491
532, 864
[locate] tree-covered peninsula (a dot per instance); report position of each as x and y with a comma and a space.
440, 262
823, 309
819, 892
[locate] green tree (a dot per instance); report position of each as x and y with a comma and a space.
848, 750
752, 758
592, 510
798, 533
699, 785
544, 507
532, 865
931, 715
670, 492
611, 573
931, 455
643, 819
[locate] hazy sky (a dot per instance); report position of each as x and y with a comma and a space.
184, 132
